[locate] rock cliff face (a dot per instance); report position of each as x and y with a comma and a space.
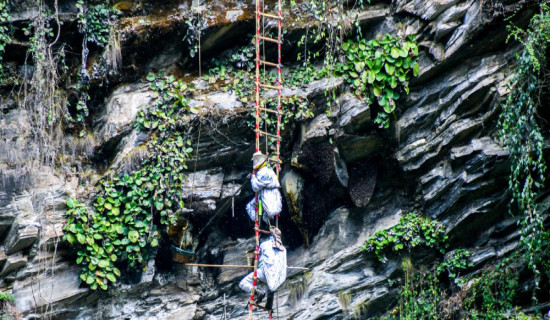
343, 178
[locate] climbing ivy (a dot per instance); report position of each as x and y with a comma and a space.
96, 24
412, 230
241, 82
123, 224
378, 69
96, 21
523, 138
7, 308
419, 295
196, 24
486, 295
5, 35
169, 110
490, 295
453, 264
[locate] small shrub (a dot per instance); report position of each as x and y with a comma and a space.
380, 69
412, 230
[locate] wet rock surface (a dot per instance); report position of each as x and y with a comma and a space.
343, 178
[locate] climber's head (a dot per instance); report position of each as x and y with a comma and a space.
258, 160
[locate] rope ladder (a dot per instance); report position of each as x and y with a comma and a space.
262, 107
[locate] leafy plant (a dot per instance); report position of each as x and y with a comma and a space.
96, 237
96, 21
491, 294
381, 69
523, 138
6, 296
196, 24
167, 113
5, 35
453, 264
7, 308
96, 24
121, 228
412, 230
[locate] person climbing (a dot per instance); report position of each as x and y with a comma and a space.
264, 181
271, 269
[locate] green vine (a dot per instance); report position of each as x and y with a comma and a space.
457, 261
122, 226
523, 138
7, 308
491, 294
412, 230
380, 68
419, 295
241, 82
96, 24
5, 35
196, 24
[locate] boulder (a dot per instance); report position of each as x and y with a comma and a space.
13, 263
234, 252
25, 229
206, 184
427, 10
353, 147
3, 257
217, 100
319, 127
354, 113
121, 109
59, 289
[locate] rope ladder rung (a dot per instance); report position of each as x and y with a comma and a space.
268, 86
270, 39
269, 15
269, 134
271, 64
270, 111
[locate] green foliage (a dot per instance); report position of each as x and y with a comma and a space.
96, 21
5, 35
523, 137
491, 294
419, 295
412, 230
6, 296
122, 226
168, 112
457, 261
241, 82
7, 308
196, 23
95, 237
328, 22
380, 68
96, 24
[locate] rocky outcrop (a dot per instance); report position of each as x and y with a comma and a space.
343, 177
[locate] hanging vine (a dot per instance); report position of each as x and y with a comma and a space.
5, 35
522, 134
96, 24
122, 226
44, 102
